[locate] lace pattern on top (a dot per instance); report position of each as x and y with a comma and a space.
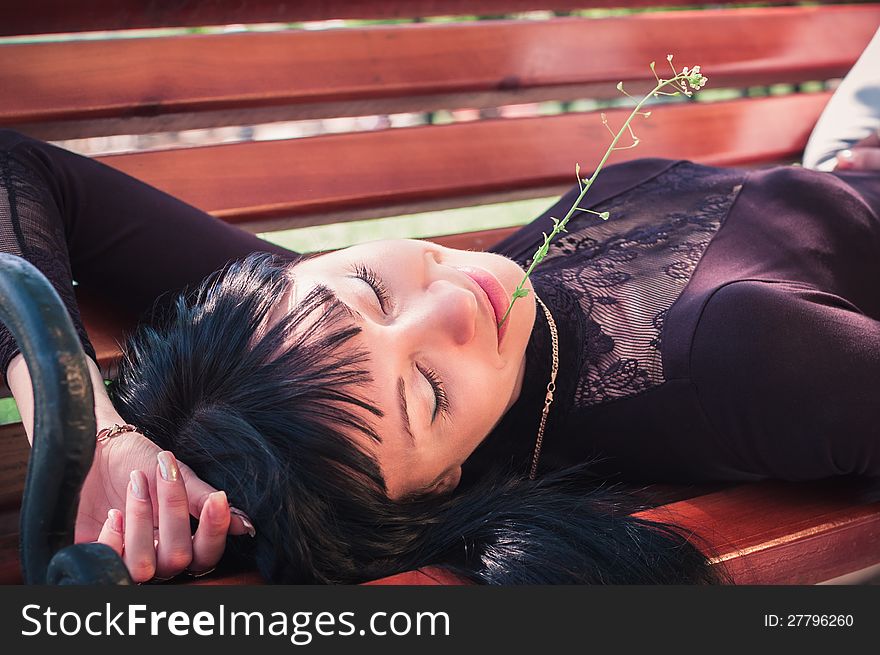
32, 227
627, 272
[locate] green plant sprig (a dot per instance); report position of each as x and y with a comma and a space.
686, 82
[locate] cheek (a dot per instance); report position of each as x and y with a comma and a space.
484, 394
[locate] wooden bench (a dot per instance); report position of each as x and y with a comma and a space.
769, 532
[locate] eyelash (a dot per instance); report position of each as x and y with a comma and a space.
442, 400
369, 276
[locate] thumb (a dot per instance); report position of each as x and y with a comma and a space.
859, 159
197, 492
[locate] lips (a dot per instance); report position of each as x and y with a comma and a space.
492, 297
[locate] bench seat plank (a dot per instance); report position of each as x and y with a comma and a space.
764, 533
784, 533
87, 88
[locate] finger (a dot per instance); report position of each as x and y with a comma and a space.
139, 552
873, 140
210, 539
198, 492
859, 159
111, 532
174, 551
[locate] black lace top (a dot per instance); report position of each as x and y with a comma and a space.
673, 317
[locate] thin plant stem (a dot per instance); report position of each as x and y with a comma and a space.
694, 78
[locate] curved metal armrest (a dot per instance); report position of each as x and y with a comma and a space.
64, 432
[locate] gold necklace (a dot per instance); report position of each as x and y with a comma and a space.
551, 386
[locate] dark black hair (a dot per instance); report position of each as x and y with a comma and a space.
265, 417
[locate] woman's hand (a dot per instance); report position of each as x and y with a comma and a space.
106, 485
863, 156
166, 494
164, 552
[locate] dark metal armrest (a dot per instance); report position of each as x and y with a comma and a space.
64, 433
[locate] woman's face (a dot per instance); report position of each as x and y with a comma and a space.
429, 327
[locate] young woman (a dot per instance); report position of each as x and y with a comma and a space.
369, 417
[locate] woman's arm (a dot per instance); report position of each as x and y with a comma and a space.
789, 376
75, 218
127, 242
19, 380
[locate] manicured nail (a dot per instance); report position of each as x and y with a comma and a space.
139, 485
115, 517
245, 520
215, 501
168, 466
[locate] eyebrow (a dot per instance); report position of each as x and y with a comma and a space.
401, 387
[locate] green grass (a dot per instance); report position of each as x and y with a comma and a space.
8, 411
412, 226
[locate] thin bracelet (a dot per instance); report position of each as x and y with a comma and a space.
108, 433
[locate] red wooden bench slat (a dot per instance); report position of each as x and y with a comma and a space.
45, 16
299, 182
87, 88
764, 533
776, 532
14, 453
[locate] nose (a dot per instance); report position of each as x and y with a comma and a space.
446, 311
452, 311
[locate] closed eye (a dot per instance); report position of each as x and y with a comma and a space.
441, 401
369, 275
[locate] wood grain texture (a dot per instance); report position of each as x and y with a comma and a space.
14, 454
88, 88
46, 16
783, 533
300, 182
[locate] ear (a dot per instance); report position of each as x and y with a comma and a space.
448, 482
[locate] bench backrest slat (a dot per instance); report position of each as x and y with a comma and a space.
49, 16
300, 182
88, 88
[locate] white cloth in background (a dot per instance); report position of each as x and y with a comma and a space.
851, 115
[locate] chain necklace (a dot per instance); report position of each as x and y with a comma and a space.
551, 386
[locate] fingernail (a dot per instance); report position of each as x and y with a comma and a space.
845, 155
215, 501
115, 517
168, 466
138, 484
245, 520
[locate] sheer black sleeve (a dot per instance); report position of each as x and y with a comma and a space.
31, 227
124, 241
